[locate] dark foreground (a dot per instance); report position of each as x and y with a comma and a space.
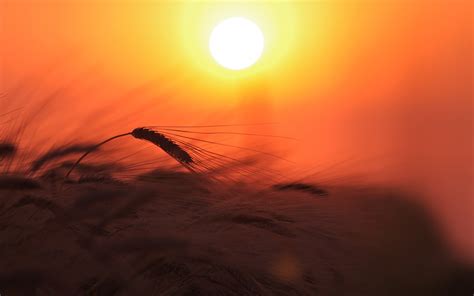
173, 236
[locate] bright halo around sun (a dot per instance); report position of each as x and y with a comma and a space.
236, 43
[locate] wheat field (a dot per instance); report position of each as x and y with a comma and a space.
74, 228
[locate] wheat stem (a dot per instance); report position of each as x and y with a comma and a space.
92, 149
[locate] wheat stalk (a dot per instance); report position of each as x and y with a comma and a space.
142, 133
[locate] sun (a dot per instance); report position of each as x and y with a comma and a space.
236, 43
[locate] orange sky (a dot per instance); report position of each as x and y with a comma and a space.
385, 85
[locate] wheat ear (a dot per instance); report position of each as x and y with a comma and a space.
165, 143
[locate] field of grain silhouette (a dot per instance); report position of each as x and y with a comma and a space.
236, 148
198, 222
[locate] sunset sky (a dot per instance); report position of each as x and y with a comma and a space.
384, 86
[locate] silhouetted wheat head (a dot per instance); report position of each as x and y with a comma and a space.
165, 143
59, 153
7, 150
168, 145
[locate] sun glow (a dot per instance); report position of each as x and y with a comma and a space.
236, 43
287, 48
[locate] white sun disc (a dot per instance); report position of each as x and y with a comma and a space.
236, 43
